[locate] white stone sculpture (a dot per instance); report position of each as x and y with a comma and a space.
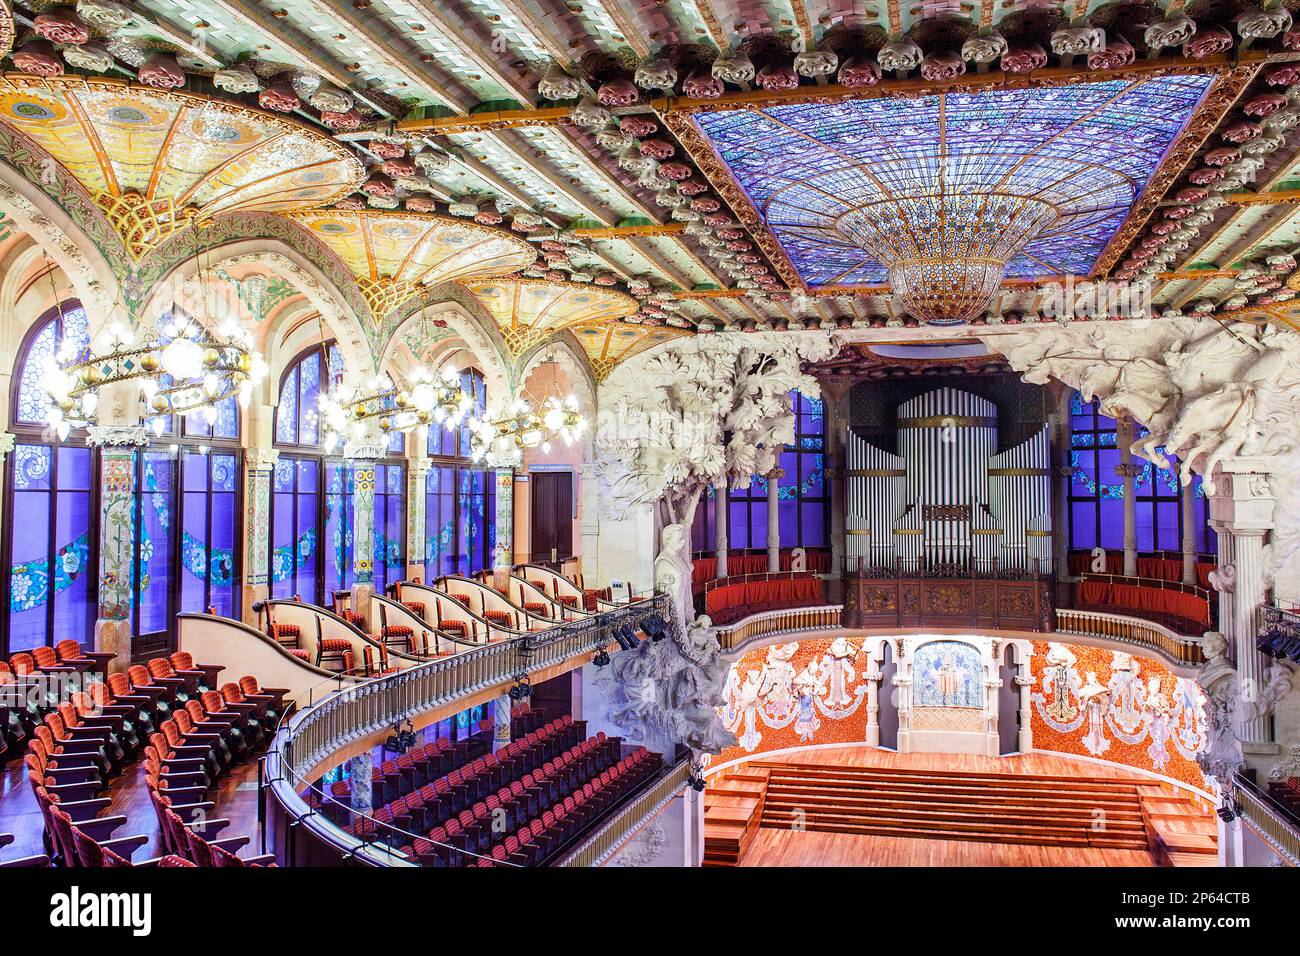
669, 691
673, 569
1207, 391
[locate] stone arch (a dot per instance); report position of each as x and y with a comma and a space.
279, 341
31, 211
466, 331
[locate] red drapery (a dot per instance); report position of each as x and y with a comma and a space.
733, 601
704, 570
1189, 607
1161, 569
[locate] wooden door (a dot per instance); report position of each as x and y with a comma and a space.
551, 511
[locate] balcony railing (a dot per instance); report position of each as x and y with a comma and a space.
359, 711
1273, 826
1147, 635
600, 845
733, 636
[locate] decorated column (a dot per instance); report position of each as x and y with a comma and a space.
1241, 511
1062, 474
363, 533
503, 556
259, 478
119, 445
720, 527
1186, 501
1127, 470
501, 723
589, 525
774, 520
361, 773
417, 475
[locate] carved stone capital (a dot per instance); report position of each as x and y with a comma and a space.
6, 444
261, 459
117, 435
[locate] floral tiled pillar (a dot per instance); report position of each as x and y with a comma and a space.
417, 474
503, 555
260, 473
363, 522
118, 446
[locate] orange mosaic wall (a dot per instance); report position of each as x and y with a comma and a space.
1122, 708
799, 694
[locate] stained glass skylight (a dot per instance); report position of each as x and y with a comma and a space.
1086, 149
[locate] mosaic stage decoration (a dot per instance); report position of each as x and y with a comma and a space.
529, 311
796, 695
157, 160
945, 195
394, 254
1118, 707
947, 674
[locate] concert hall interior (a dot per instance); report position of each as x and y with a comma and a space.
649, 433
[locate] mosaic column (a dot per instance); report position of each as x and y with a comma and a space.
503, 555
417, 475
720, 528
774, 519
1241, 512
363, 534
589, 524
361, 771
259, 476
1124, 437
501, 723
118, 446
1186, 500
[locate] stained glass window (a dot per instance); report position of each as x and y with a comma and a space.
297, 416
460, 500
1096, 498
209, 516
295, 494
1086, 149
390, 524
803, 498
65, 323
50, 585
339, 487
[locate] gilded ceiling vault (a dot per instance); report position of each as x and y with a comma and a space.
678, 168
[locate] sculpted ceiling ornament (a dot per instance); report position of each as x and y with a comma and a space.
1207, 391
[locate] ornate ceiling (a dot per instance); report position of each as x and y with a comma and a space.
1161, 132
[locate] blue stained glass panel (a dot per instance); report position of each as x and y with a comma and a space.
1088, 149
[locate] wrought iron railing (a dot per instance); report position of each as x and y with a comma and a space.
1273, 826
1179, 648
597, 848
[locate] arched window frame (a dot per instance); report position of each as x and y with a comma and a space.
458, 490
71, 488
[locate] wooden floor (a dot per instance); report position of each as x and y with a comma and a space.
782, 847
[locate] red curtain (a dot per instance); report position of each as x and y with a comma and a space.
732, 601
1139, 597
1160, 569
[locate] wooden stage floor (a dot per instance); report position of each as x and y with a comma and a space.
780, 847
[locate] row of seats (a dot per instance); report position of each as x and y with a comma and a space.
1287, 793
540, 817
404, 790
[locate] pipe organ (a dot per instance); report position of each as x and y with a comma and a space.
950, 504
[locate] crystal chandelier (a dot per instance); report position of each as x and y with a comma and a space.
947, 252
426, 398
186, 369
499, 440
